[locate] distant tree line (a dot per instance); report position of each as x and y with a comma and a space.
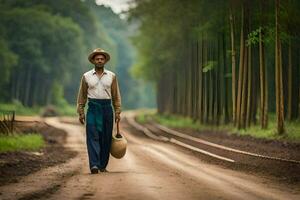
44, 47
222, 61
43, 44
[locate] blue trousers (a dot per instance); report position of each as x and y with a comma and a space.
99, 126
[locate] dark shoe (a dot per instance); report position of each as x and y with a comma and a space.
94, 170
103, 170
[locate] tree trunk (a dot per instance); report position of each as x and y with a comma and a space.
263, 83
233, 66
249, 95
206, 85
200, 66
189, 80
13, 86
240, 80
28, 86
158, 98
241, 67
278, 75
195, 79
178, 106
217, 96
34, 90
225, 89
242, 121
290, 84
210, 88
18, 86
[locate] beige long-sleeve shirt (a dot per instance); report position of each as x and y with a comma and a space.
99, 87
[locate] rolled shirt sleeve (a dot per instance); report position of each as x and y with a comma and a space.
116, 96
82, 96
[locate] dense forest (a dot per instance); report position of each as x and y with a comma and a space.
218, 62
44, 47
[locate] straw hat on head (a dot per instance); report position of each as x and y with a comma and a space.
97, 52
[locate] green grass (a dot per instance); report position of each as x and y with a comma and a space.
21, 142
176, 121
66, 109
19, 108
292, 128
142, 117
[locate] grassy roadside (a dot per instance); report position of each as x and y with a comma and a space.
292, 128
19, 108
21, 142
65, 110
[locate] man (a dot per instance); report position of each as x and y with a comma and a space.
100, 87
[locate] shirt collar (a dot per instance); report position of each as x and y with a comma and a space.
104, 71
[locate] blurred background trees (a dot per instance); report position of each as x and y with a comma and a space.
44, 47
216, 61
222, 61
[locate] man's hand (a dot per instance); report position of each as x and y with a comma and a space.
117, 118
82, 118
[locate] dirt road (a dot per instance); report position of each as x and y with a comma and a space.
150, 170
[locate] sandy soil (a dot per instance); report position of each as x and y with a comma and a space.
14, 165
285, 172
150, 170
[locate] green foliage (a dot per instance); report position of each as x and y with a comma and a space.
228, 75
209, 66
253, 37
143, 115
43, 43
141, 119
292, 130
159, 37
8, 59
176, 121
49, 39
21, 142
175, 38
133, 93
58, 95
48, 42
163, 34
67, 110
19, 108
